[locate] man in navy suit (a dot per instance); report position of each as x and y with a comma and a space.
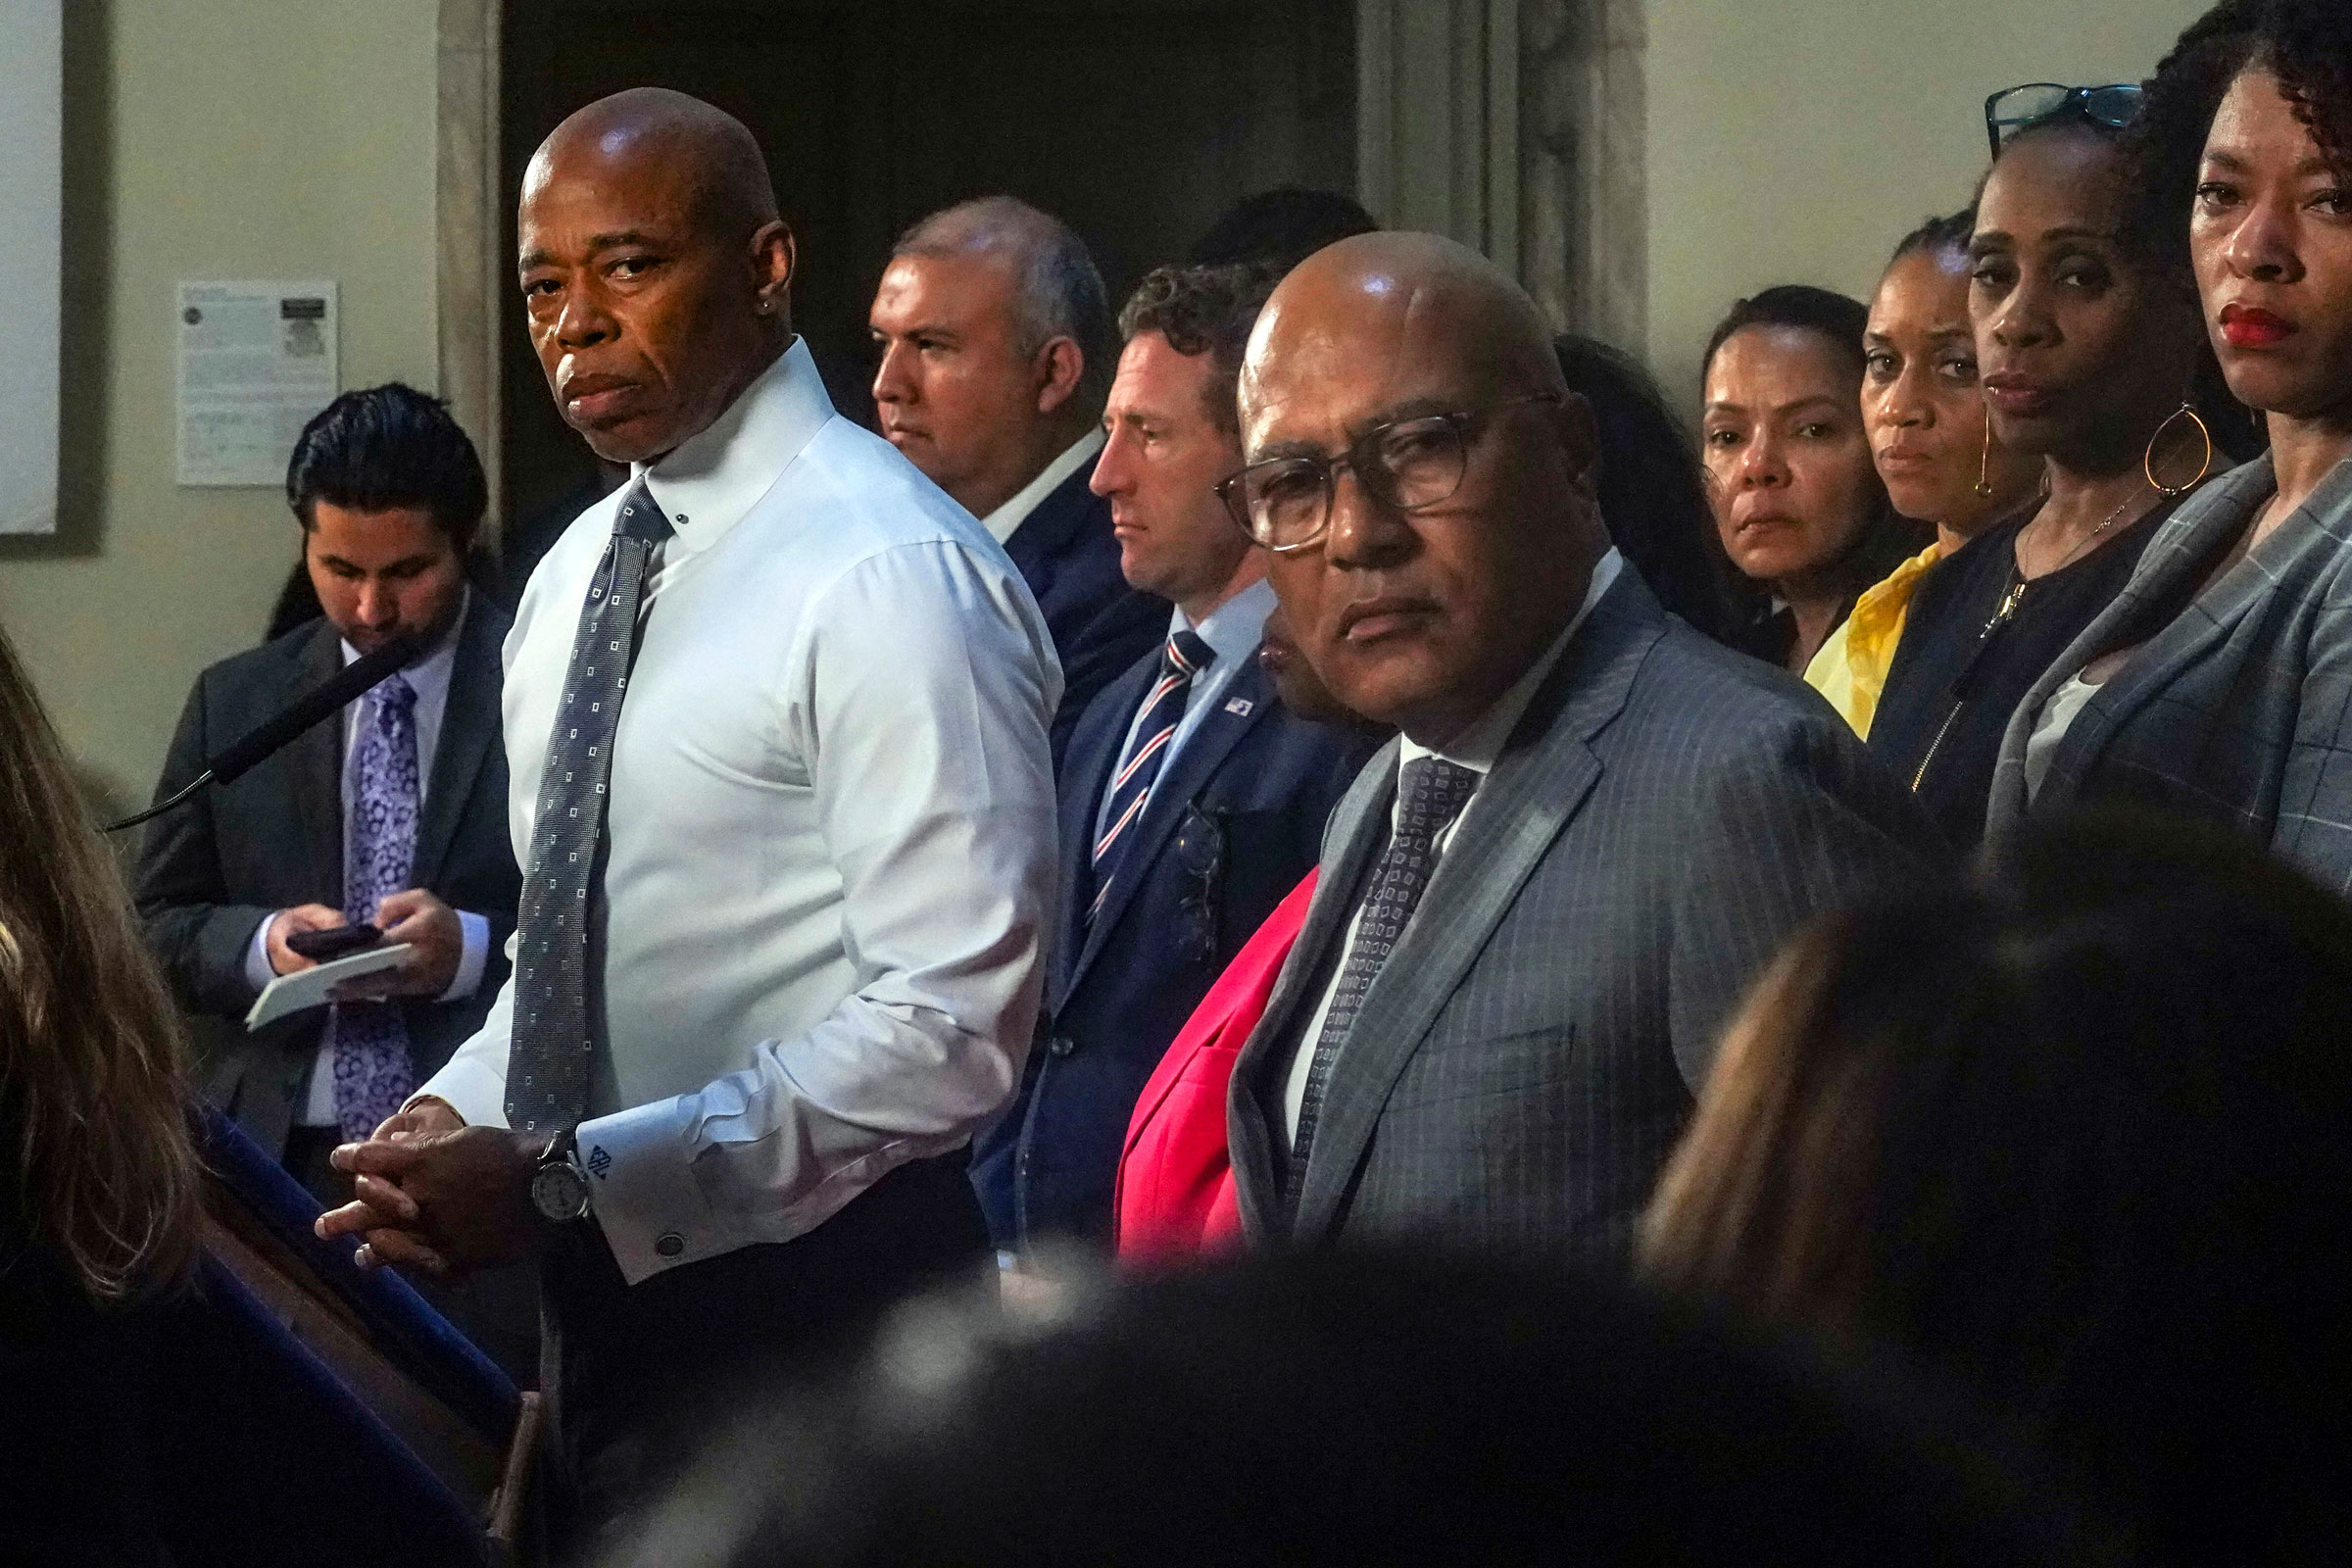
996, 350
1192, 800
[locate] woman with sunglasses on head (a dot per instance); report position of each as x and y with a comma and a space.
2219, 683
1796, 501
1925, 418
2088, 337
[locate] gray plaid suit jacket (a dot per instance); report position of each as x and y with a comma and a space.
2239, 707
1663, 815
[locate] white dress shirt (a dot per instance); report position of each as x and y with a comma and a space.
830, 829
1474, 748
1001, 522
1233, 631
429, 677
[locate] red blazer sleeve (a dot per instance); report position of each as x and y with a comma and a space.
1175, 1195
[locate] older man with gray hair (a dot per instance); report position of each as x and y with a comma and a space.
995, 351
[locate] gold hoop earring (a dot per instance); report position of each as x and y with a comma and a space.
2147, 461
1985, 463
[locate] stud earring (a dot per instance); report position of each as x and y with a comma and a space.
2147, 461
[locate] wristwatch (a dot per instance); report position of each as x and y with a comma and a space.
558, 1185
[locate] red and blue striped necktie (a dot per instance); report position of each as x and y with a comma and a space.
1181, 658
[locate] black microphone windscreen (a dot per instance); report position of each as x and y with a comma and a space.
327, 696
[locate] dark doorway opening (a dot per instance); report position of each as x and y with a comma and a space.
1136, 122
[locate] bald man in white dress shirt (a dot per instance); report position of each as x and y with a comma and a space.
777, 954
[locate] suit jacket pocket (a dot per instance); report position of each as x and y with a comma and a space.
1517, 1063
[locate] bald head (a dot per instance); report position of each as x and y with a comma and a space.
1373, 294
1460, 532
704, 153
655, 268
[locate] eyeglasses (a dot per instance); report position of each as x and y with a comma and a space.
2013, 109
1284, 502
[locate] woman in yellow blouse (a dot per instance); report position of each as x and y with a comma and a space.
1933, 445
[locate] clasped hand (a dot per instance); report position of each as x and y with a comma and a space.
432, 1193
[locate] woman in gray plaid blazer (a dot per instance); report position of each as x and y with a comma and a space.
2219, 681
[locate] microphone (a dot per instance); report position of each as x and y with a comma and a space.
274, 733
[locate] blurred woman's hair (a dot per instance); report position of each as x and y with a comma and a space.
1651, 496
96, 1161
2078, 1137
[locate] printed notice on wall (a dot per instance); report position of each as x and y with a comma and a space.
255, 360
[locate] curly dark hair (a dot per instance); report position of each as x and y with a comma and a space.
1203, 310
2307, 44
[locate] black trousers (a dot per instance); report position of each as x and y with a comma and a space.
638, 1376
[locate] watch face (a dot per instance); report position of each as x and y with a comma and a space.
558, 1192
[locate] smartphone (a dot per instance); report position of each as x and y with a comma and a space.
338, 942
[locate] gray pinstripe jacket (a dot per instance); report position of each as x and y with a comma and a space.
1663, 815
2238, 710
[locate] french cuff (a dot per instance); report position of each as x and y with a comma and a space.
257, 971
641, 1187
474, 1090
472, 961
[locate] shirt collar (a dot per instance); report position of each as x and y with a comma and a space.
429, 676
1234, 627
1478, 746
713, 478
1001, 522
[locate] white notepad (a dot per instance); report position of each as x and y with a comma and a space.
308, 987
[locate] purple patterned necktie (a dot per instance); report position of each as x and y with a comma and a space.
374, 1073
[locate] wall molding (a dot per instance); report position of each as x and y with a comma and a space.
470, 233
1516, 126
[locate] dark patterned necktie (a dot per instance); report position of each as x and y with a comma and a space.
1181, 658
1434, 792
370, 1039
552, 1051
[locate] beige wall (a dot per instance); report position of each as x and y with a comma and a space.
1796, 142
267, 138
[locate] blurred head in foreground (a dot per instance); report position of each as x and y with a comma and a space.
1337, 1408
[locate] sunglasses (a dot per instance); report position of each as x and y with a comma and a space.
2013, 109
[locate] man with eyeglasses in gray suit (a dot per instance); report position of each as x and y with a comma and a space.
1538, 903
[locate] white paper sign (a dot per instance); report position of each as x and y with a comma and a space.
30, 143
256, 362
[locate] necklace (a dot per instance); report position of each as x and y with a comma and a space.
2083, 544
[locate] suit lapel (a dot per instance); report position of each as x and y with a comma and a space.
1085, 774
1044, 534
2220, 511
1537, 786
469, 723
1244, 704
1359, 827
314, 765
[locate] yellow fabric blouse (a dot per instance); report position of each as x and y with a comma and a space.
1851, 669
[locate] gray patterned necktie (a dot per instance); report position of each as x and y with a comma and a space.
553, 1047
1434, 791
